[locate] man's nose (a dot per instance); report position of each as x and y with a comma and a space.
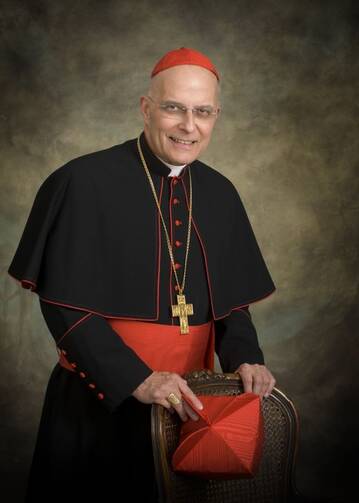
188, 121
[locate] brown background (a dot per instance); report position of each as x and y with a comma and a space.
72, 73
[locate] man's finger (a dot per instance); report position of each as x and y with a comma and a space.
247, 378
268, 382
258, 384
186, 390
181, 411
179, 407
190, 411
270, 387
165, 404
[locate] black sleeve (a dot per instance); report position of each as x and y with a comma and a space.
105, 364
236, 341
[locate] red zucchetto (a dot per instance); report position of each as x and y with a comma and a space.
184, 56
227, 440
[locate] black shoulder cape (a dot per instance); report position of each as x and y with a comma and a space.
83, 243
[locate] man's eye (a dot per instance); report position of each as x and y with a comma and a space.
203, 112
171, 107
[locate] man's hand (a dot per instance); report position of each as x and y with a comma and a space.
256, 378
157, 387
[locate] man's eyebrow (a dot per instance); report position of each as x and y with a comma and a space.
174, 102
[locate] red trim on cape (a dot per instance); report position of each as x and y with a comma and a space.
98, 313
103, 315
243, 310
207, 272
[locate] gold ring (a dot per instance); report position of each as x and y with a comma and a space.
173, 399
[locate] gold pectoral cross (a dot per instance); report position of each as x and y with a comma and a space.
182, 310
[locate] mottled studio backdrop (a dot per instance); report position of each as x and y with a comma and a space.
71, 76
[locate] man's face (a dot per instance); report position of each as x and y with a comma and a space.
179, 138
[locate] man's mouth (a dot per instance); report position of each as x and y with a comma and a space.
184, 142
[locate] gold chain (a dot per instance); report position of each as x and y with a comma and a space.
169, 246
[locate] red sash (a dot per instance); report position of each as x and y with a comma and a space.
163, 347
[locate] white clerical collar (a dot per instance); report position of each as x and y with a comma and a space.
175, 170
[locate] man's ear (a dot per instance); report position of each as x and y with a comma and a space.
145, 108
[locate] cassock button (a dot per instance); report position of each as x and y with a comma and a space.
175, 200
73, 365
176, 288
83, 375
100, 396
178, 243
92, 385
177, 266
178, 223
175, 181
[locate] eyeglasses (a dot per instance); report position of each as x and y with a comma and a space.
173, 110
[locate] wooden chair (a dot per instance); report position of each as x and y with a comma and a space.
274, 482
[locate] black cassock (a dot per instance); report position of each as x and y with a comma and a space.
93, 248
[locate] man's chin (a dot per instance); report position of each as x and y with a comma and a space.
180, 160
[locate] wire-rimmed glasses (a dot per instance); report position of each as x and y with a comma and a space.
173, 109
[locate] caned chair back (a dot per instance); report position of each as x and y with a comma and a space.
274, 481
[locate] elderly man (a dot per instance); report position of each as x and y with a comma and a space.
145, 263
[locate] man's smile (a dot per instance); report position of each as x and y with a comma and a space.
180, 140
